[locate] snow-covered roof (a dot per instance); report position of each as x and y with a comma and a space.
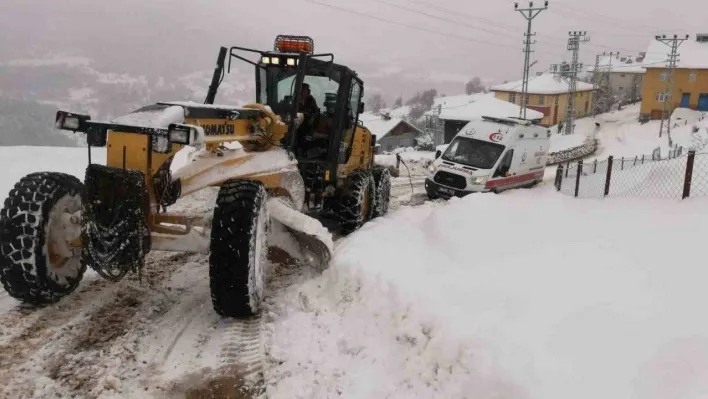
486, 106
380, 126
546, 83
692, 54
456, 101
620, 64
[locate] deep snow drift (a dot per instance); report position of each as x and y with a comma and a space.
527, 294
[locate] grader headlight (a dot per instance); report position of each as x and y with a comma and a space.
70, 121
185, 134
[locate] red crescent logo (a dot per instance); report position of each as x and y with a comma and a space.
496, 137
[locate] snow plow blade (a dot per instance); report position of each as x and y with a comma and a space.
314, 240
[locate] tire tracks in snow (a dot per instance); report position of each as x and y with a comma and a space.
240, 345
27, 328
66, 344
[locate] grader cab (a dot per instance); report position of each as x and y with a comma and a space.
293, 166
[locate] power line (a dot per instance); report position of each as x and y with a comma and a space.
497, 26
494, 24
605, 20
443, 19
388, 21
604, 17
505, 34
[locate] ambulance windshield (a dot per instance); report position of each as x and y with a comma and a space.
471, 152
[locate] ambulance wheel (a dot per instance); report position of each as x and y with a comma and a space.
382, 181
38, 265
239, 247
357, 201
532, 184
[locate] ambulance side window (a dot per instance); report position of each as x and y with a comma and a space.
505, 164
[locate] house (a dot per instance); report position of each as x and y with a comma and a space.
392, 132
624, 74
548, 94
457, 111
690, 88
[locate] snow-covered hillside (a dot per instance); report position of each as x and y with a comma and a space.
16, 162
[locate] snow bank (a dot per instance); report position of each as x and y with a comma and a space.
588, 147
423, 303
561, 142
417, 161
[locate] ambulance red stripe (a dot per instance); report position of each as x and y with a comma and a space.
513, 179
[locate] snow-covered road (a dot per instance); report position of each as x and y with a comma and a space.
155, 338
526, 294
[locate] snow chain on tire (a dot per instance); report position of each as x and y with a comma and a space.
25, 268
358, 185
239, 248
167, 192
382, 179
115, 234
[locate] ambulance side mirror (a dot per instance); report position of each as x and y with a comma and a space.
437, 154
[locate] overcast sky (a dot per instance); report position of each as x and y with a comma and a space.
398, 46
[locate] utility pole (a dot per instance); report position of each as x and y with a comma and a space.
570, 72
529, 14
674, 43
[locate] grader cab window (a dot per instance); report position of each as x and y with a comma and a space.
320, 89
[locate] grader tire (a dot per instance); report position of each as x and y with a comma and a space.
239, 246
382, 181
35, 267
357, 201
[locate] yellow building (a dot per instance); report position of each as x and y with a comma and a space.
690, 82
548, 94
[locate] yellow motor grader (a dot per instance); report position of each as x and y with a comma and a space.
271, 161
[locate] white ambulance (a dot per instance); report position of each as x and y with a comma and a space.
490, 154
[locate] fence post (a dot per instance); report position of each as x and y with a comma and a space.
642, 159
635, 160
577, 177
622, 163
689, 174
609, 175
567, 168
595, 167
559, 177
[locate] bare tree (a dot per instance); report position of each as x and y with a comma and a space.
421, 102
376, 102
475, 86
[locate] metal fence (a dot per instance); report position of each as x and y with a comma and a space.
677, 176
